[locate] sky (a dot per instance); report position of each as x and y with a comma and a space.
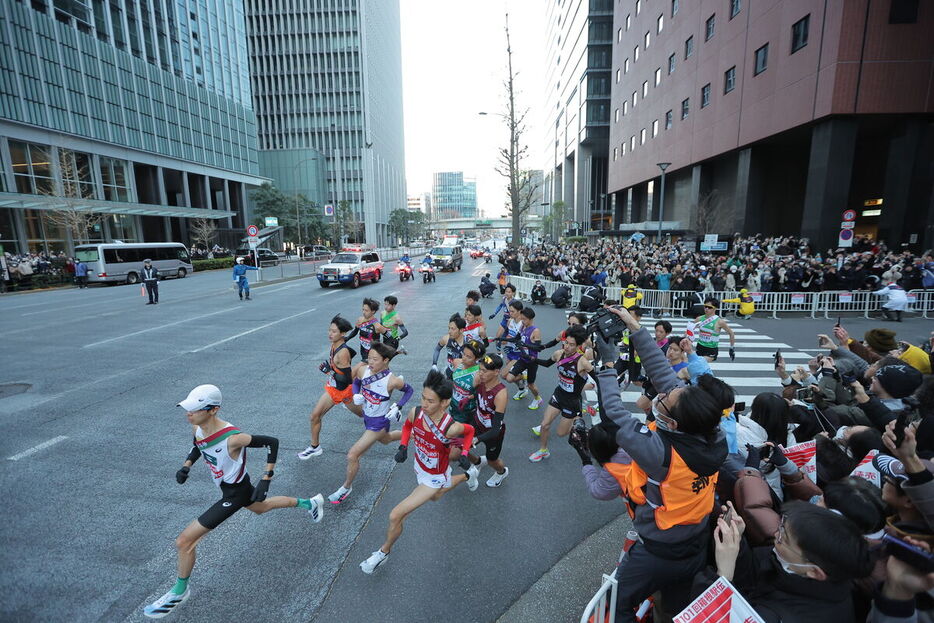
453, 67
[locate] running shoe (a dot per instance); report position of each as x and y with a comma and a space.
537, 430
472, 481
317, 508
376, 559
538, 455
497, 479
525, 375
340, 495
535, 404
165, 604
309, 452
401, 350
520, 394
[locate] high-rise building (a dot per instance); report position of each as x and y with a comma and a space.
420, 203
537, 205
775, 117
453, 196
579, 38
327, 88
139, 111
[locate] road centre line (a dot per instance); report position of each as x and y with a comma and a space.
37, 448
162, 326
253, 330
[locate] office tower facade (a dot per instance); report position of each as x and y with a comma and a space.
775, 117
453, 196
327, 88
579, 40
420, 203
136, 109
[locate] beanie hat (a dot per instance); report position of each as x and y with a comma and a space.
899, 379
881, 340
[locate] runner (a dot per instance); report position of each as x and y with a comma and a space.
463, 402
337, 389
573, 368
708, 328
392, 325
509, 295
372, 388
453, 341
472, 298
434, 430
368, 327
508, 342
475, 329
223, 447
526, 367
489, 427
574, 319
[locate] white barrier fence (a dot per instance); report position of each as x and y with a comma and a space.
827, 304
602, 607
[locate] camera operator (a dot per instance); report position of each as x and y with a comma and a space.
538, 293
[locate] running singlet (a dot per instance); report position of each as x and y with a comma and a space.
455, 351
569, 380
472, 332
513, 328
346, 371
386, 321
486, 407
526, 340
375, 390
431, 443
367, 335
214, 452
709, 334
463, 402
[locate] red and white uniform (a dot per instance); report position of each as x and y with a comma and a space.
432, 449
472, 332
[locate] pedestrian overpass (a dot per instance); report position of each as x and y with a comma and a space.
479, 225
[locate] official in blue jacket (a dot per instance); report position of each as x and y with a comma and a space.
239, 277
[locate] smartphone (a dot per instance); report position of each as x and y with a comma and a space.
728, 515
906, 552
838, 322
739, 407
778, 357
803, 394
901, 423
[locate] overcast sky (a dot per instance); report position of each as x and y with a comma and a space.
453, 67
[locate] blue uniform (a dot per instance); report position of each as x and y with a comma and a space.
239, 277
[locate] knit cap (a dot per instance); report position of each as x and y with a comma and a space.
881, 340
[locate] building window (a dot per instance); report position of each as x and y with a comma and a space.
655, 128
671, 64
674, 7
623, 148
658, 76
668, 116
632, 143
32, 168
685, 108
642, 136
709, 27
647, 39
688, 47
645, 89
625, 107
619, 35
660, 24
904, 12
615, 152
729, 79
635, 54
626, 66
762, 59
799, 33
638, 6
735, 6
617, 76
634, 94
705, 95
616, 116
628, 21
113, 174
77, 174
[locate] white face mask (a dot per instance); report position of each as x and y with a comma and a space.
660, 419
788, 567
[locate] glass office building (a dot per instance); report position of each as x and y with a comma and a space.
453, 195
137, 109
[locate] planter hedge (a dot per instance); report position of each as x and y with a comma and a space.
214, 264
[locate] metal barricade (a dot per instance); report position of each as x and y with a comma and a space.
921, 302
839, 302
602, 607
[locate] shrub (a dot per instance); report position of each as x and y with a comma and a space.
215, 264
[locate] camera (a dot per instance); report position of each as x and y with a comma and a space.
607, 323
804, 394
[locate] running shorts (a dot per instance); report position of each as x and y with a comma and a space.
566, 403
495, 446
707, 351
435, 481
523, 365
234, 497
376, 424
339, 395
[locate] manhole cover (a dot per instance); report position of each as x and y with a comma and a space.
11, 389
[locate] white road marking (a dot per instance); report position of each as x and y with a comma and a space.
162, 326
253, 330
37, 448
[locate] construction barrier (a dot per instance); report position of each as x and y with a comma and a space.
602, 607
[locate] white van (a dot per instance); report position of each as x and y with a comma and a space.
118, 262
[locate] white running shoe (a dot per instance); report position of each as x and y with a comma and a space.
472, 481
340, 495
317, 508
309, 452
538, 455
520, 394
537, 430
401, 350
497, 479
165, 604
377, 558
535, 404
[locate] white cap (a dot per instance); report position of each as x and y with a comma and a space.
201, 397
239, 260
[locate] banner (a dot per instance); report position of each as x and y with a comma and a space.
756, 296
797, 299
720, 603
867, 470
846, 297
804, 455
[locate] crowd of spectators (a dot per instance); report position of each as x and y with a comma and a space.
757, 263
203, 253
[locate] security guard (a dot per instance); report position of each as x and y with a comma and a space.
747, 306
631, 296
151, 279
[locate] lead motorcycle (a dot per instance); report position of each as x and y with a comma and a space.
405, 270
428, 272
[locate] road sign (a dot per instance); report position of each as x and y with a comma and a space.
329, 210
272, 221
846, 238
252, 230
849, 215
847, 225
710, 238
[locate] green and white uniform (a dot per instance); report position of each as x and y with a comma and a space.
464, 400
708, 333
391, 337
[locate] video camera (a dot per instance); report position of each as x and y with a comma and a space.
609, 325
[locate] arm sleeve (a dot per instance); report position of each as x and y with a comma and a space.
552, 343
402, 331
644, 446
406, 432
353, 333
922, 496
600, 483
495, 427
653, 360
357, 386
546, 363
194, 455
434, 358
342, 380
468, 436
878, 413
260, 441
407, 392
860, 363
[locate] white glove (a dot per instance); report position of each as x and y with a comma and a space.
393, 413
434, 367
358, 399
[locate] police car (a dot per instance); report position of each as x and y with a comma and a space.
351, 265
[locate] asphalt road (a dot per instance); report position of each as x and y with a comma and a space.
89, 450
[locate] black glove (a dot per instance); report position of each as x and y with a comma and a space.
181, 475
732, 354
325, 367
578, 440
491, 316
778, 457
753, 457
464, 462
262, 488
401, 454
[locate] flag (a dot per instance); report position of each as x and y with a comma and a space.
804, 455
720, 603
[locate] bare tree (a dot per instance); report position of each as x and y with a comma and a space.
521, 186
708, 213
203, 230
74, 214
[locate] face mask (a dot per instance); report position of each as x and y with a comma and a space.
660, 422
788, 567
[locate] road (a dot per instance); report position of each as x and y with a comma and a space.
90, 440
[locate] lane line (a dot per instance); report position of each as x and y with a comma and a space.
162, 326
253, 330
37, 448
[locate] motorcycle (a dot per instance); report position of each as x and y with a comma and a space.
428, 272
487, 258
405, 271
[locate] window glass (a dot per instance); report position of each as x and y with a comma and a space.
688, 47
762, 59
705, 95
709, 27
87, 254
799, 33
735, 6
729, 80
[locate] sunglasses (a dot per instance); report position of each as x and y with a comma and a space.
709, 307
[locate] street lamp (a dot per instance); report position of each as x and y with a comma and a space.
661, 201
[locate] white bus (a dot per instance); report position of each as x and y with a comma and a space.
118, 262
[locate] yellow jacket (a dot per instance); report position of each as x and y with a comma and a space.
917, 358
747, 306
631, 298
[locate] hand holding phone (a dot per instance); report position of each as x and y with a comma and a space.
913, 555
901, 423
